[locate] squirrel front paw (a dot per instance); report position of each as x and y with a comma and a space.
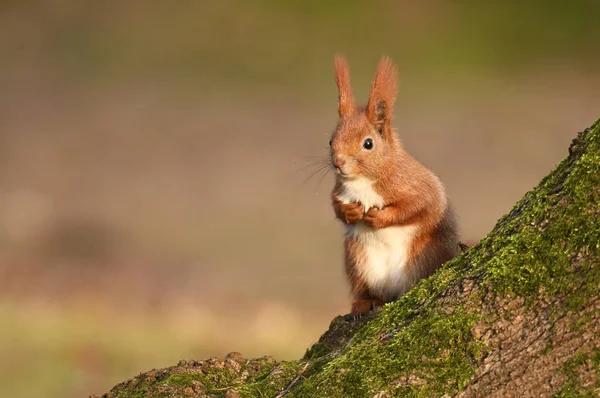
376, 218
349, 213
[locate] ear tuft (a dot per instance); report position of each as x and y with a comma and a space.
382, 97
346, 101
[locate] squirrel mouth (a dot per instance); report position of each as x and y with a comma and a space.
341, 173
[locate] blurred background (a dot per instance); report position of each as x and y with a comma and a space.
155, 199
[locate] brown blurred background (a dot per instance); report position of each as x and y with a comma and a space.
154, 156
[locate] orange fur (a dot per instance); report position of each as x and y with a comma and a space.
347, 103
383, 96
410, 193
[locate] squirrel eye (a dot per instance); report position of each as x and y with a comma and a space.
368, 144
330, 142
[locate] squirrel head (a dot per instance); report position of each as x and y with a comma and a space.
363, 143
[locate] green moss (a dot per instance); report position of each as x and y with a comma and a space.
250, 378
436, 350
135, 388
273, 383
531, 248
573, 368
573, 364
183, 379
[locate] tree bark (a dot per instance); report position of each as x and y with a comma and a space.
518, 314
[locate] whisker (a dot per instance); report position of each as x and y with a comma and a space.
309, 166
313, 164
323, 176
320, 162
318, 170
311, 157
311, 160
315, 160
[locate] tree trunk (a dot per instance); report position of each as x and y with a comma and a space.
518, 314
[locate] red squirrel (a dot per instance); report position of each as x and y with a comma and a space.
400, 227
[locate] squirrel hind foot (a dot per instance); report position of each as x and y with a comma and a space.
361, 307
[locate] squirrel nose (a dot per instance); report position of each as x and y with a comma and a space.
338, 161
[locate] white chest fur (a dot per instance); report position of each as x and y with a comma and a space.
384, 263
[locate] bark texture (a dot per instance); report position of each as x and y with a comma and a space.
517, 315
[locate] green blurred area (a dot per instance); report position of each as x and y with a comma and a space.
267, 44
150, 197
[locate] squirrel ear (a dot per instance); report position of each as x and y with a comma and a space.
346, 101
382, 97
